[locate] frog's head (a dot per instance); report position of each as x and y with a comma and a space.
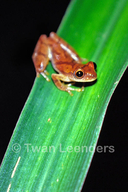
85, 73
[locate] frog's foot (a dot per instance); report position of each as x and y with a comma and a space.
84, 59
44, 74
69, 89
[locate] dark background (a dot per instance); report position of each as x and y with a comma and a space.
21, 23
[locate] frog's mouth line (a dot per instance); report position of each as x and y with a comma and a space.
91, 80
82, 80
80, 84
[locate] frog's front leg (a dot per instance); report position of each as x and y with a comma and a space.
57, 78
40, 56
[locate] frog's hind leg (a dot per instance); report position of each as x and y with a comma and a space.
65, 46
40, 56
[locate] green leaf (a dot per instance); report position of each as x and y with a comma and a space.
55, 138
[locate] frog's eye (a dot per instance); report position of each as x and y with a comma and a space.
79, 74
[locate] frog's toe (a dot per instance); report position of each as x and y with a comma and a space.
80, 89
70, 93
37, 74
45, 76
84, 59
46, 73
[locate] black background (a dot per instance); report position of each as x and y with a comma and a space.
21, 23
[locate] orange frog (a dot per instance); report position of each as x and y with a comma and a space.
64, 60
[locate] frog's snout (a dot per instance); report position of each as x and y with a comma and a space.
91, 76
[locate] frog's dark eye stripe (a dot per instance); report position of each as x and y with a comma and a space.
95, 66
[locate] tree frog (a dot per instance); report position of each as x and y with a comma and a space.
64, 60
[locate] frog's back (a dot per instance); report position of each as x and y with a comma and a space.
61, 53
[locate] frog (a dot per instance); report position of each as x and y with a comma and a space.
65, 61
